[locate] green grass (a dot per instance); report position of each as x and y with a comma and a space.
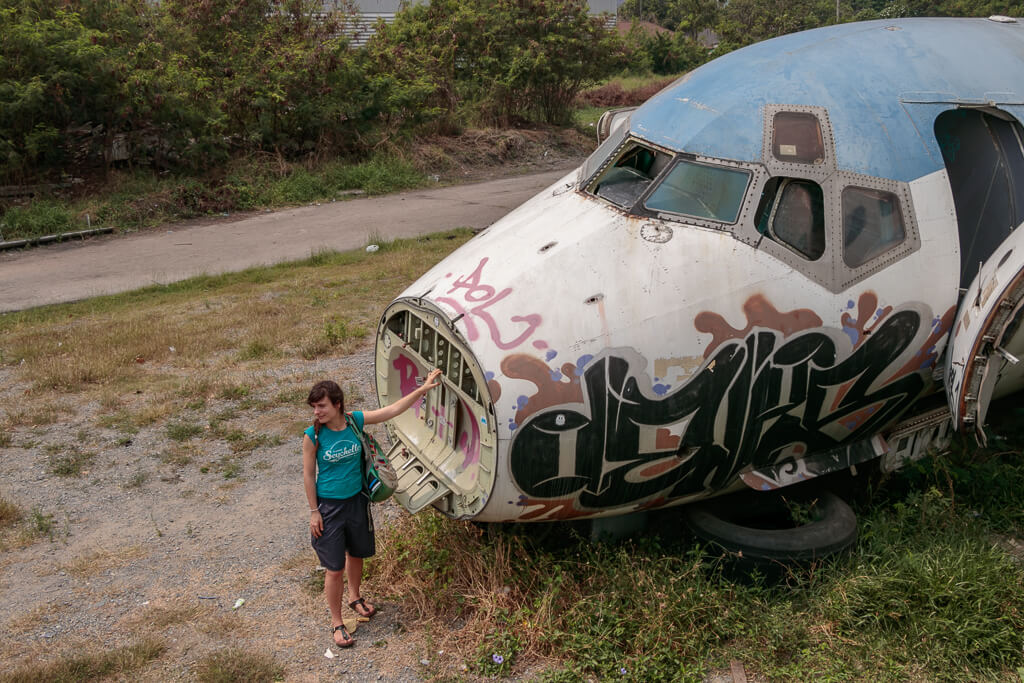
135, 199
41, 523
926, 594
183, 431
40, 218
89, 666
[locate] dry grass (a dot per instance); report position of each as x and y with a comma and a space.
83, 664
194, 334
100, 560
482, 582
10, 514
34, 618
304, 560
162, 615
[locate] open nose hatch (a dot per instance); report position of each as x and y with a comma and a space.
417, 486
444, 446
983, 360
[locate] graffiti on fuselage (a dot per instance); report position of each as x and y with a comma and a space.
759, 398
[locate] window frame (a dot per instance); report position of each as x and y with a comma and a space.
868, 191
708, 163
847, 275
783, 185
588, 186
793, 111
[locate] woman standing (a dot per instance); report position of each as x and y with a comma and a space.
339, 515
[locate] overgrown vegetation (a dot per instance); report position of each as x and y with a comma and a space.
924, 595
742, 22
189, 84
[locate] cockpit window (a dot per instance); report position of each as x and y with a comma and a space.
792, 213
872, 224
700, 190
796, 138
628, 178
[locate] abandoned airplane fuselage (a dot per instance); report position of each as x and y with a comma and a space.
756, 278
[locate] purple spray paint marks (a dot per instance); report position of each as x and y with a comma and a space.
550, 354
661, 389
581, 364
556, 375
852, 333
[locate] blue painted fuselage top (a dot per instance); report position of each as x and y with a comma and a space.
882, 83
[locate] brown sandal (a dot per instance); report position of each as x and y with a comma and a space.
349, 640
370, 611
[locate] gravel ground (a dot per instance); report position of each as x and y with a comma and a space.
142, 547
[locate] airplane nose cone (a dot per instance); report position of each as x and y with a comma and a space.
445, 444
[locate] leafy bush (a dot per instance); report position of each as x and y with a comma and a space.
506, 59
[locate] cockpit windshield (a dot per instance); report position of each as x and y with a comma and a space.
702, 191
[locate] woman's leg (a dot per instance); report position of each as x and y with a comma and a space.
354, 574
333, 585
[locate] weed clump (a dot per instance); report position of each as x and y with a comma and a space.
10, 514
183, 431
228, 666
71, 463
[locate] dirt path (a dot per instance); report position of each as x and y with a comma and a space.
72, 271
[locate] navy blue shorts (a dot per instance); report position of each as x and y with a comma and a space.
348, 527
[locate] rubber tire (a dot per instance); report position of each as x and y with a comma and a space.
715, 521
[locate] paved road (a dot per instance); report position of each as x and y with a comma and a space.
72, 271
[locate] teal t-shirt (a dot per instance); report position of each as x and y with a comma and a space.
339, 455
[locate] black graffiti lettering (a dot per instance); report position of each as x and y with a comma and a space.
752, 400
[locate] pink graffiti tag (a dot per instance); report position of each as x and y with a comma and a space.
469, 443
407, 378
485, 296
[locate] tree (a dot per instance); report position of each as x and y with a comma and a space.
749, 21
506, 59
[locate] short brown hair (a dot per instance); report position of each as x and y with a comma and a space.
329, 389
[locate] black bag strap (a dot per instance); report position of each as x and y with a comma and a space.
362, 439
